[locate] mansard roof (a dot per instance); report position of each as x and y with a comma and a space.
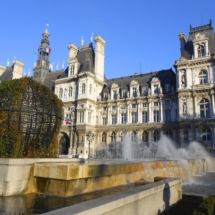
86, 58
206, 30
165, 76
52, 76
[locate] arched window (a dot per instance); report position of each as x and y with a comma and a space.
72, 70
61, 93
204, 108
104, 137
65, 93
90, 88
83, 88
145, 136
168, 134
206, 135
133, 136
113, 137
156, 136
200, 51
203, 77
70, 92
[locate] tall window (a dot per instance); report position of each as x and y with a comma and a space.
83, 88
134, 91
200, 51
204, 108
113, 107
167, 115
113, 119
145, 104
156, 116
104, 121
90, 89
104, 137
115, 94
144, 91
156, 89
105, 95
123, 118
156, 136
134, 105
89, 117
70, 92
206, 135
72, 70
81, 117
61, 93
123, 93
145, 136
65, 93
167, 88
133, 136
156, 104
168, 133
203, 77
113, 137
134, 117
144, 117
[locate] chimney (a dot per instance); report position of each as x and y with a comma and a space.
183, 40
99, 57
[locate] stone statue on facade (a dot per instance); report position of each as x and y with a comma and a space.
149, 91
182, 79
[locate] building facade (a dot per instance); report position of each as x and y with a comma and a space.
178, 104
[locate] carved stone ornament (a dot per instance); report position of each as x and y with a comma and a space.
115, 85
155, 79
134, 82
199, 37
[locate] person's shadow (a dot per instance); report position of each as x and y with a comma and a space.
166, 196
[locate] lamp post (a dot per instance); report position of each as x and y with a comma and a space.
90, 138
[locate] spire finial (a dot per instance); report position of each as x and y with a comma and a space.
63, 64
8, 62
57, 65
82, 41
47, 26
91, 38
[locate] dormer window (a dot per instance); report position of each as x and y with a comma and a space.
61, 93
200, 50
115, 94
144, 91
203, 77
105, 95
72, 69
156, 89
167, 88
123, 93
134, 91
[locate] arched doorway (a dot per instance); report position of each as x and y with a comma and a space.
64, 145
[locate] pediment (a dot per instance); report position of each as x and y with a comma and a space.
155, 79
134, 82
199, 37
115, 85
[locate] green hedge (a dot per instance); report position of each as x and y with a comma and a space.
206, 207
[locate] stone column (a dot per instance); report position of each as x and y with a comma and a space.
138, 113
161, 110
212, 104
128, 113
99, 116
194, 107
188, 110
149, 112
118, 115
179, 108
149, 136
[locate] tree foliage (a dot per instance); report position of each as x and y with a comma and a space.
30, 117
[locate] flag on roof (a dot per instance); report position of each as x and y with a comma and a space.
68, 120
47, 50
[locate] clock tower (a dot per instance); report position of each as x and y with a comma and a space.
42, 66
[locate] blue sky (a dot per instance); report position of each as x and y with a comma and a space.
135, 31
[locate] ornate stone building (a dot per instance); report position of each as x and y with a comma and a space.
178, 104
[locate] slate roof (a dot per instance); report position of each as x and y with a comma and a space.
86, 58
52, 76
7, 75
165, 76
208, 31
